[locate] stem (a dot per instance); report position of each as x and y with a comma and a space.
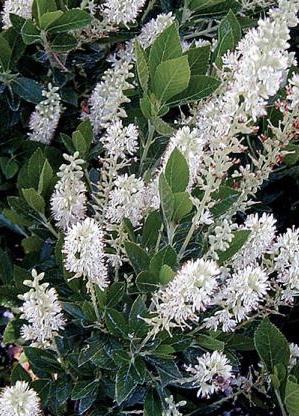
49, 226
280, 402
194, 225
149, 141
93, 297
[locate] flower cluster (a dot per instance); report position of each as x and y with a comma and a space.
211, 373
190, 291
122, 11
43, 312
84, 252
108, 96
68, 202
44, 120
19, 400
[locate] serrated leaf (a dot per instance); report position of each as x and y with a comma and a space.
271, 345
171, 78
138, 257
177, 171
70, 20
116, 323
34, 200
165, 256
28, 89
292, 398
45, 178
30, 33
210, 343
48, 18
198, 59
141, 66
182, 205
64, 42
166, 46
200, 86
166, 198
151, 229
5, 54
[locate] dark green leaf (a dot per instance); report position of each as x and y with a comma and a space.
70, 20
142, 66
139, 259
271, 345
177, 172
28, 89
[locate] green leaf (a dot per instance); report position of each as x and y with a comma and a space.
239, 239
9, 167
82, 138
166, 198
147, 282
209, 343
151, 229
152, 404
171, 78
127, 379
162, 127
229, 34
42, 361
271, 345
30, 33
115, 293
116, 323
200, 86
41, 7
34, 200
198, 59
240, 343
5, 54
33, 170
177, 172
6, 267
141, 66
167, 46
203, 4
32, 244
83, 389
70, 20
28, 89
166, 256
19, 374
182, 205
138, 311
45, 178
63, 43
166, 274
48, 18
139, 259
292, 398
79, 143
10, 334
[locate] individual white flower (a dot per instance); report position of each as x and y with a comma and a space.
172, 407
108, 96
68, 202
211, 374
43, 312
294, 355
120, 141
240, 295
288, 9
44, 120
152, 29
262, 233
19, 400
22, 8
84, 252
190, 291
122, 11
126, 200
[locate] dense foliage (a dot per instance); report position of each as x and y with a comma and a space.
149, 257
